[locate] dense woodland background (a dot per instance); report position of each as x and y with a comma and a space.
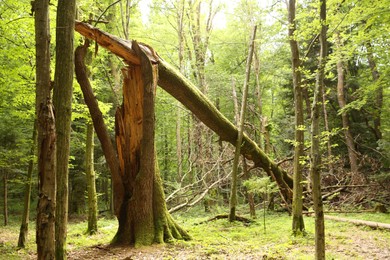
208, 42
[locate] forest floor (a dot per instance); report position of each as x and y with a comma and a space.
220, 240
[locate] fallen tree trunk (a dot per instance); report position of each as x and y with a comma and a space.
372, 224
183, 90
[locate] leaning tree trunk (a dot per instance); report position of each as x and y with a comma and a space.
241, 120
139, 198
183, 90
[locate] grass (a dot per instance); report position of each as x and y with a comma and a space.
220, 239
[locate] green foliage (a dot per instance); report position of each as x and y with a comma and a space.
261, 186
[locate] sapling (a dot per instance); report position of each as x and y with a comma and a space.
264, 187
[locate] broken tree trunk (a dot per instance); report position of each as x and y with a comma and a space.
183, 90
139, 198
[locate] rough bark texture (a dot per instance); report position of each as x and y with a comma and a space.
91, 183
143, 217
297, 220
315, 155
139, 198
27, 193
62, 100
46, 135
183, 90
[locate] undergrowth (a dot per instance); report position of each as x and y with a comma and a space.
221, 239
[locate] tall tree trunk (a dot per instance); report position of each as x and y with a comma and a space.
237, 153
200, 40
180, 36
62, 100
297, 218
327, 129
5, 195
27, 193
259, 92
91, 181
378, 93
46, 135
344, 116
315, 167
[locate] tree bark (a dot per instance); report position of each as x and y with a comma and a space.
372, 224
344, 116
139, 205
91, 183
297, 218
378, 93
183, 90
315, 155
180, 36
5, 195
27, 193
62, 100
46, 136
237, 153
109, 151
327, 129
143, 217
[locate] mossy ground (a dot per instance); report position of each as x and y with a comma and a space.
219, 239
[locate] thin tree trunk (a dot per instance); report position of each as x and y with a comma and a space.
45, 237
180, 35
62, 100
250, 195
259, 93
344, 116
237, 153
297, 218
315, 167
327, 129
27, 193
378, 94
5, 195
91, 183
267, 136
